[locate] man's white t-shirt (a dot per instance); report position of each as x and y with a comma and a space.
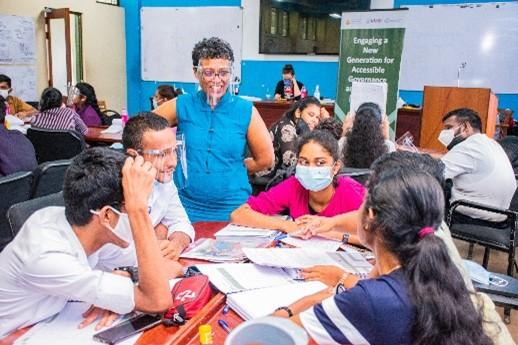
45, 266
481, 172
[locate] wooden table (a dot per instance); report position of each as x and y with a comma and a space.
94, 136
188, 333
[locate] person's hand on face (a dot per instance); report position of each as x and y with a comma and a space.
324, 114
385, 128
137, 182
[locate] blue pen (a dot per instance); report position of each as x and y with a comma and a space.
224, 325
226, 308
280, 237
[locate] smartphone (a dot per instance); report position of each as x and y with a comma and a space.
127, 328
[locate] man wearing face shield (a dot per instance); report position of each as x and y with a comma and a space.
54, 257
477, 164
218, 127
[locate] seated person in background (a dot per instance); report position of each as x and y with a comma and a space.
478, 166
510, 146
315, 189
418, 295
334, 227
366, 137
53, 115
85, 104
301, 118
288, 87
163, 94
17, 106
49, 262
149, 135
16, 151
331, 125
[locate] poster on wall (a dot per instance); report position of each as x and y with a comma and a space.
371, 45
23, 80
17, 43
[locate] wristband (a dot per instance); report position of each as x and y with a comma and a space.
345, 237
288, 310
133, 272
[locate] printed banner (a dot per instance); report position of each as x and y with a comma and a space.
371, 45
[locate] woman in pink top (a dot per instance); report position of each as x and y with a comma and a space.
315, 189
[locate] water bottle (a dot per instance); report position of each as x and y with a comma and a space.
288, 89
317, 92
124, 116
303, 92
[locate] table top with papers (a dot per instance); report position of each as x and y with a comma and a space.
188, 333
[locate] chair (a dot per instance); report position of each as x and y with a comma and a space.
51, 145
34, 104
505, 296
20, 212
48, 178
14, 188
108, 116
360, 175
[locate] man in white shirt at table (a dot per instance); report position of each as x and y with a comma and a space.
52, 259
478, 166
149, 135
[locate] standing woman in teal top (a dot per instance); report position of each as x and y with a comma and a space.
218, 128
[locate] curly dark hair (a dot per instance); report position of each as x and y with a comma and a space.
365, 141
212, 48
50, 98
332, 126
88, 91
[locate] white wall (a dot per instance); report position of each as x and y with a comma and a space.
104, 44
251, 21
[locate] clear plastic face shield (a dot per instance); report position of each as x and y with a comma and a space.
216, 79
168, 160
72, 93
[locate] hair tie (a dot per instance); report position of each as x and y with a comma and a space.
425, 232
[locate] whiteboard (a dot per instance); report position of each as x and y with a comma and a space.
23, 81
17, 40
168, 35
439, 39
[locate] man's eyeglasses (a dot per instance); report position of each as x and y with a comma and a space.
167, 152
210, 73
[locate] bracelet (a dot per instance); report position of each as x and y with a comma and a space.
133, 272
288, 310
345, 238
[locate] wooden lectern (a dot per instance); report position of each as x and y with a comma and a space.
437, 101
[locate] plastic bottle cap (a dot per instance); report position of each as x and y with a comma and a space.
205, 328
205, 333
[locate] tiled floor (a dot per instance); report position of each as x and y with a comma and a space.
497, 263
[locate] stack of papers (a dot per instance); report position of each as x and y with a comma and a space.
115, 127
253, 304
230, 278
237, 231
321, 243
368, 92
351, 262
209, 249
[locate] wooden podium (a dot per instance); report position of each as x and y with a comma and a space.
438, 101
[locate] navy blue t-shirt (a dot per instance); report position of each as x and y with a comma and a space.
375, 311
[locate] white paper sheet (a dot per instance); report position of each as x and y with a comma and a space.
314, 242
232, 230
62, 329
368, 92
305, 257
230, 278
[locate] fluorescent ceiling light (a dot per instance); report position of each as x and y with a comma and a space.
335, 15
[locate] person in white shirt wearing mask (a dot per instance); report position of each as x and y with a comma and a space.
478, 166
52, 259
149, 135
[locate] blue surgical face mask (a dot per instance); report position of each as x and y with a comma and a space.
314, 178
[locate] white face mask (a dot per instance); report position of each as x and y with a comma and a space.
4, 93
123, 229
155, 103
446, 136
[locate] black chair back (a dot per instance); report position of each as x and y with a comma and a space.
48, 177
108, 116
358, 174
13, 189
51, 145
20, 212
